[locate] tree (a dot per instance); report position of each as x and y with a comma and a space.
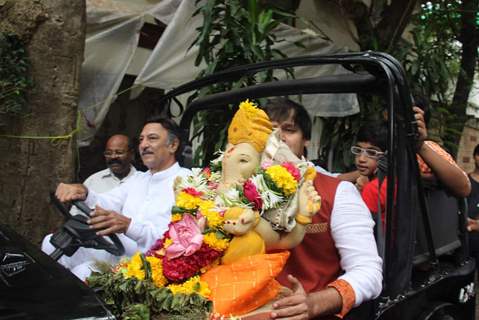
469, 38
234, 32
442, 55
32, 162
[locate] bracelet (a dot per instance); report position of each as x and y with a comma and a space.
302, 219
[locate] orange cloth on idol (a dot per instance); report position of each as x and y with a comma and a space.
250, 125
245, 285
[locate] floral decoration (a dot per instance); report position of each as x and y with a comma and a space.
196, 240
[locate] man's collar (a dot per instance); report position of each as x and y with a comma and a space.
167, 172
108, 173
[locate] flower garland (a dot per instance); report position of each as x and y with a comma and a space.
195, 240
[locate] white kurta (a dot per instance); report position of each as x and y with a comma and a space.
352, 231
103, 181
147, 199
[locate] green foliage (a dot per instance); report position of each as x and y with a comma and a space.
431, 61
141, 300
233, 33
15, 78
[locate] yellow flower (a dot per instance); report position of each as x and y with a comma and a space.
157, 271
176, 217
310, 173
215, 243
193, 285
167, 243
135, 268
212, 216
282, 178
187, 201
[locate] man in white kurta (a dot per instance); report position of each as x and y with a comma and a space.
118, 157
139, 210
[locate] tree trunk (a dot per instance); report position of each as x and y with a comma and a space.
469, 37
379, 26
54, 34
394, 20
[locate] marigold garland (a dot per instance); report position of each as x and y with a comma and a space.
216, 243
193, 285
283, 179
176, 217
134, 268
187, 201
157, 271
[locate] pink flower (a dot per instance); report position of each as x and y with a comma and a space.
207, 172
292, 170
193, 192
213, 185
251, 193
266, 164
186, 235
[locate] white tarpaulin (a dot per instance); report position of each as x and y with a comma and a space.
112, 38
113, 30
172, 64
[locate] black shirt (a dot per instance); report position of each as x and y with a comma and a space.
473, 199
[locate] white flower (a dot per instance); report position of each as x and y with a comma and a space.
269, 198
197, 180
230, 198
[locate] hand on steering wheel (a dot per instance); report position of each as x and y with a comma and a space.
82, 233
108, 222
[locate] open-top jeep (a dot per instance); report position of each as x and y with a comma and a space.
427, 271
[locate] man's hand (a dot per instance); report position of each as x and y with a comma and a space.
472, 225
68, 192
108, 222
293, 307
361, 182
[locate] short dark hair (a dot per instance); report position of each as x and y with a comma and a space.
374, 133
476, 151
174, 132
278, 109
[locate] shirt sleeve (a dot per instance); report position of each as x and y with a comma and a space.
111, 200
146, 231
326, 172
352, 231
87, 183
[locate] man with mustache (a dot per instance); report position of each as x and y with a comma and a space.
139, 210
118, 157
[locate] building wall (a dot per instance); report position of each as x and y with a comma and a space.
469, 140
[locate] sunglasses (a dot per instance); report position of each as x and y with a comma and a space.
370, 153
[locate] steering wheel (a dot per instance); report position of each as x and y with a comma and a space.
76, 233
